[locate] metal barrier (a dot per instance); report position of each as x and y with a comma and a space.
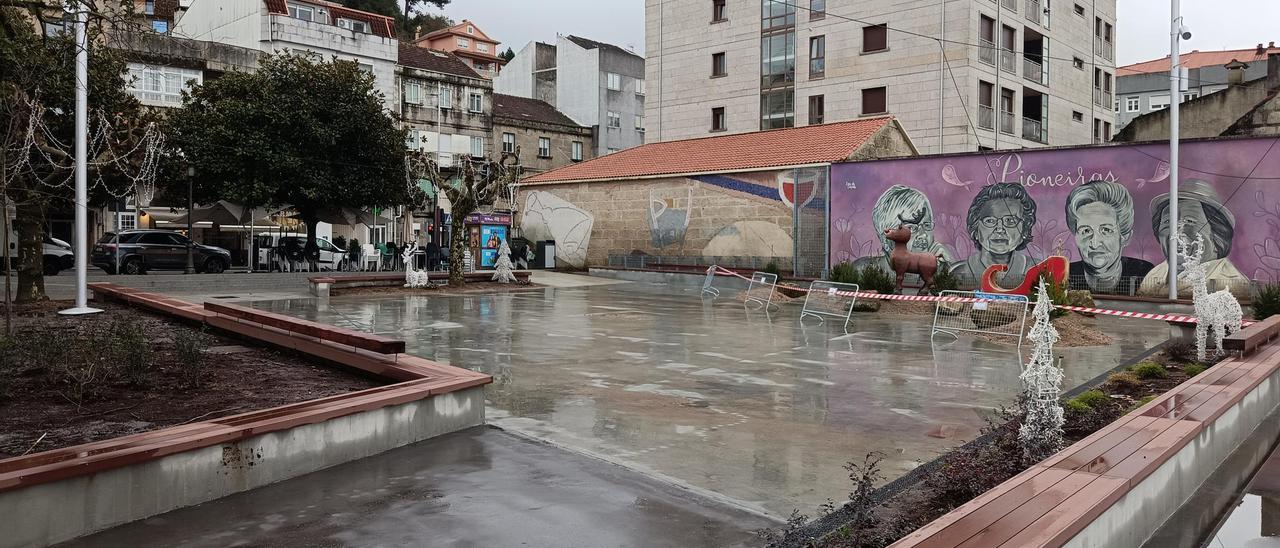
825, 299
761, 289
707, 287
990, 313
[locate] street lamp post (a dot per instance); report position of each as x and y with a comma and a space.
1177, 33
82, 175
191, 235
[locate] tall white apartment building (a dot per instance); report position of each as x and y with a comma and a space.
1017, 73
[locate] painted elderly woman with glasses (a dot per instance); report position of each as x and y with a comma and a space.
1000, 221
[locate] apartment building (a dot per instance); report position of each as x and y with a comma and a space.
469, 43
1144, 87
598, 85
545, 137
446, 106
1017, 73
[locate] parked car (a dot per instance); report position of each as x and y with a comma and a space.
57, 254
137, 251
275, 251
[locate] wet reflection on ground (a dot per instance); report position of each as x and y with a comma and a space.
756, 407
1255, 521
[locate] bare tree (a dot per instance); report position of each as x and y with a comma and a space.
469, 185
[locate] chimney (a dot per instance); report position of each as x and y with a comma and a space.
1262, 50
1273, 72
1235, 72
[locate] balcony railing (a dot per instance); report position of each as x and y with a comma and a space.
1006, 122
1097, 96
1008, 61
1033, 70
1107, 100
1033, 130
1033, 11
986, 117
987, 53
1108, 50
1097, 45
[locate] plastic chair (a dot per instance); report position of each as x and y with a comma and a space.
388, 257
369, 255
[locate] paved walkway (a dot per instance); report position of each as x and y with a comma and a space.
478, 487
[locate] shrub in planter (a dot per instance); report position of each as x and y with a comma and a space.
1267, 303
944, 280
1090, 399
844, 273
772, 268
874, 278
1193, 369
1180, 351
1074, 406
1124, 382
189, 346
129, 350
1149, 370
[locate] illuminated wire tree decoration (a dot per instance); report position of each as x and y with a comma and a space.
502, 267
1219, 310
1041, 432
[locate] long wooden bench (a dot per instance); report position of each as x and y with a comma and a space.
348, 337
1246, 341
155, 302
1054, 500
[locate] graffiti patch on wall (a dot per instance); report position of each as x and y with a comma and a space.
549, 217
667, 223
1106, 208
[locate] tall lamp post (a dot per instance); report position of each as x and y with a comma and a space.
1177, 33
191, 234
82, 176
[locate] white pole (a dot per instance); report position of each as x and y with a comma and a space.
82, 179
942, 63
1175, 97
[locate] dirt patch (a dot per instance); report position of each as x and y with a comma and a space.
907, 308
470, 287
62, 382
1073, 330
778, 297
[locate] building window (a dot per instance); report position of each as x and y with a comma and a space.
366, 68
464, 43
718, 11
719, 65
1190, 95
471, 29
817, 56
640, 87
611, 150
508, 142
778, 60
482, 47
412, 93
445, 100
160, 26
777, 109
149, 7
817, 9
717, 119
480, 65
353, 25
639, 123
873, 101
477, 147
305, 13
161, 85
875, 38
614, 119
775, 14
1078, 63
1077, 116
987, 34
411, 140
816, 108
576, 151
544, 147
614, 81
1079, 10
128, 221
1006, 110
986, 105
1157, 102
475, 102
1132, 104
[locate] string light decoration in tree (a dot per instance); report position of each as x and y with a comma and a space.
1219, 310
502, 267
1041, 432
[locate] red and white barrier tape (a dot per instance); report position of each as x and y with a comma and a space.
1175, 318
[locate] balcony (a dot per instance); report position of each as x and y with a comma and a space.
987, 53
1006, 122
1097, 96
1033, 70
986, 117
1108, 51
1033, 11
1008, 61
1033, 130
1107, 100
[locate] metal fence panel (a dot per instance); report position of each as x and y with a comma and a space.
707, 283
829, 299
993, 314
761, 288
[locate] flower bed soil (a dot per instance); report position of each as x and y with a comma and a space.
468, 288
39, 410
961, 474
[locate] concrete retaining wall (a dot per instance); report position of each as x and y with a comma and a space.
674, 279
53, 512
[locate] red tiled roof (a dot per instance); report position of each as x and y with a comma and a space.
1198, 59
460, 30
379, 25
806, 145
433, 60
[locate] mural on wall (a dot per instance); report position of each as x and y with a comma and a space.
1106, 208
667, 225
549, 217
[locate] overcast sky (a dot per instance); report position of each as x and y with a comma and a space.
1143, 26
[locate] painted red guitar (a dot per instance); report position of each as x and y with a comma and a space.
1055, 267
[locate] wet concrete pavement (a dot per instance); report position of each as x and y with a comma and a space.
481, 487
758, 408
1255, 521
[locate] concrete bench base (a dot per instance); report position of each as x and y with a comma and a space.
322, 286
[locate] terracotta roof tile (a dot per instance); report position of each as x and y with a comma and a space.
524, 108
806, 145
433, 60
1199, 59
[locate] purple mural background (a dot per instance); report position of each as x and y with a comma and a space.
951, 182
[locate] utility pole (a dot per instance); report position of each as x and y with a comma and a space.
1175, 99
82, 163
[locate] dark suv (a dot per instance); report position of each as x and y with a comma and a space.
137, 251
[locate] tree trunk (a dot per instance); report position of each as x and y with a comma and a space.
457, 246
30, 225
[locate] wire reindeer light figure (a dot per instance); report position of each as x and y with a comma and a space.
1219, 310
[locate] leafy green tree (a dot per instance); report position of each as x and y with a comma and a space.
409, 14
310, 134
508, 55
37, 105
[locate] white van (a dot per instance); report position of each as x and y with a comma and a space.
57, 254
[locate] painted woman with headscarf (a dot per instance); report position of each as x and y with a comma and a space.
1203, 217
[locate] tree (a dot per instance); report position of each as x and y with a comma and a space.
309, 134
502, 266
37, 100
469, 185
508, 55
409, 14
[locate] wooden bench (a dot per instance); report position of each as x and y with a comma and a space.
348, 337
1249, 339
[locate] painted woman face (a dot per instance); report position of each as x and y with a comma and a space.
1195, 225
1098, 234
1000, 226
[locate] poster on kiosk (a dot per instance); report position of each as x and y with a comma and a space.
486, 232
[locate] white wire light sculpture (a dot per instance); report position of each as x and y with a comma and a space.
1219, 310
1041, 432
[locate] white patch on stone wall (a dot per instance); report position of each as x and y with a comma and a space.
549, 217
750, 239
451, 405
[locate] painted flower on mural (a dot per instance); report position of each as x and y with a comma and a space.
1268, 251
1049, 239
953, 230
843, 224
